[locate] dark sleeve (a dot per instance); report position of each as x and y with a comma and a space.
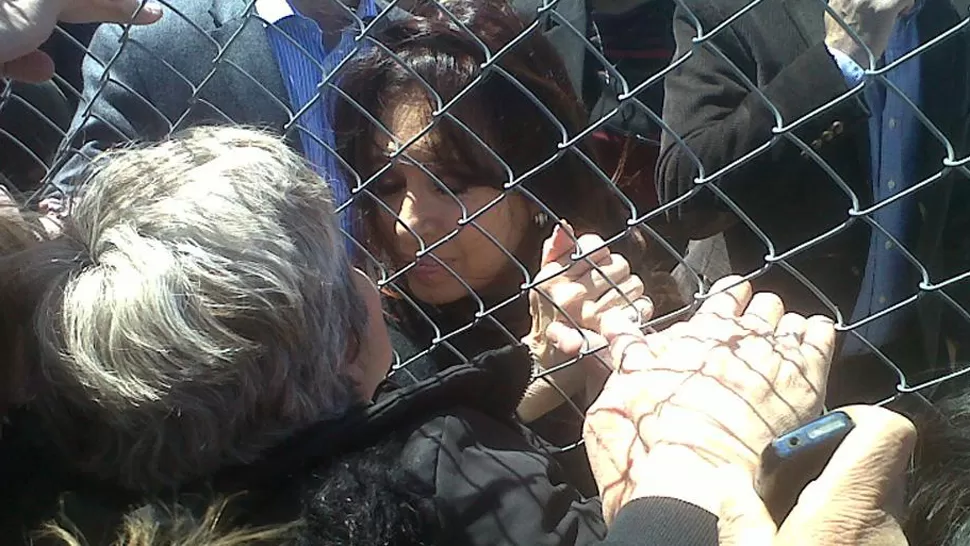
417, 368
659, 521
115, 104
721, 118
956, 261
145, 82
492, 487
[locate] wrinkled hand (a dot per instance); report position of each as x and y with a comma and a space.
26, 24
697, 403
872, 20
567, 307
858, 499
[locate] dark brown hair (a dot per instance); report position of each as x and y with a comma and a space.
434, 47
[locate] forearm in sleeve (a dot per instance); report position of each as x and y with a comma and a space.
720, 118
662, 521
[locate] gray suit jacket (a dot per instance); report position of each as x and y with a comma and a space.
209, 61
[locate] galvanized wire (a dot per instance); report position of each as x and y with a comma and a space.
217, 59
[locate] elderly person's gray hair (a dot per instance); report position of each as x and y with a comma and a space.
210, 312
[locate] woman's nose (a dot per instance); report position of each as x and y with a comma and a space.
422, 216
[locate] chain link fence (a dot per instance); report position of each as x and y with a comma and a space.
743, 105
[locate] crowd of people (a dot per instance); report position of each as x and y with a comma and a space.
364, 279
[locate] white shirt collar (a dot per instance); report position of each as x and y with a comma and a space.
273, 11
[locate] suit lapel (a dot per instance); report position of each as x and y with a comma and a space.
250, 85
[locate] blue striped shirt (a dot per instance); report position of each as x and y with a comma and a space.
305, 65
894, 147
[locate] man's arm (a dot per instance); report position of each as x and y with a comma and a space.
720, 118
115, 107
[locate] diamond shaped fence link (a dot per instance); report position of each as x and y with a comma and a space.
206, 67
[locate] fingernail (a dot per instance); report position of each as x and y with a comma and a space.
151, 9
726, 282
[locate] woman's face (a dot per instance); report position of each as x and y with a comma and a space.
419, 209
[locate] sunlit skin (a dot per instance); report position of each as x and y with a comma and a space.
374, 354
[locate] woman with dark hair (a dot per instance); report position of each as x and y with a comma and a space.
463, 177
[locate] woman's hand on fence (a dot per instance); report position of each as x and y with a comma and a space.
571, 298
567, 306
26, 24
689, 409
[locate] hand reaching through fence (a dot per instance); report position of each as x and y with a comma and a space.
872, 20
26, 24
688, 410
566, 309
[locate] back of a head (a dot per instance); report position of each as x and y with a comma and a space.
938, 495
20, 230
206, 309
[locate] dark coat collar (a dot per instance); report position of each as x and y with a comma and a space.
494, 384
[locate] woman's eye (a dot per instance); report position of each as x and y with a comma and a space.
453, 184
455, 190
388, 185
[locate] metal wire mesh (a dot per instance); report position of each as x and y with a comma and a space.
212, 63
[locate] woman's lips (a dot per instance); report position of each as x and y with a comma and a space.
426, 269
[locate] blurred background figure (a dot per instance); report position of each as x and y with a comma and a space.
860, 150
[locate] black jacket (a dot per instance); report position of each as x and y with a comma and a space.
778, 46
454, 339
440, 462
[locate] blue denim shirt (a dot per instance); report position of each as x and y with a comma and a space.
894, 145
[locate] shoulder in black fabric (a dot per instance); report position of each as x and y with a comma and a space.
493, 384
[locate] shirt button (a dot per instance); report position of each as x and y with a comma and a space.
837, 127
882, 300
892, 123
888, 245
891, 184
855, 271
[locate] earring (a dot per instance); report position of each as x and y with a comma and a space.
541, 219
